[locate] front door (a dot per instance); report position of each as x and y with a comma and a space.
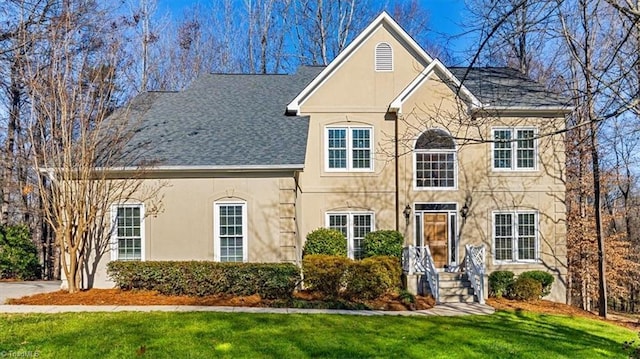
435, 235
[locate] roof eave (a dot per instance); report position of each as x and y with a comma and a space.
518, 110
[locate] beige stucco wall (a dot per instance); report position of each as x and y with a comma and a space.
184, 227
356, 95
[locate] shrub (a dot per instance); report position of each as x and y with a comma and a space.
499, 283
325, 241
372, 277
325, 274
18, 254
524, 288
200, 278
334, 276
383, 243
545, 279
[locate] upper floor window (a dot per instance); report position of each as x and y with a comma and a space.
348, 149
230, 231
515, 236
128, 232
514, 149
384, 57
435, 160
354, 226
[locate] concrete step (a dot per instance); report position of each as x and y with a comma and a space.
452, 276
454, 283
456, 291
467, 298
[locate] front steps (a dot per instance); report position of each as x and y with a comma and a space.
455, 288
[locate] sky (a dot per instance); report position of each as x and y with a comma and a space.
445, 19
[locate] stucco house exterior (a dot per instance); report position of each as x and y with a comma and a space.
384, 137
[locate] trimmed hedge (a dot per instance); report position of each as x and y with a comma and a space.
500, 283
335, 276
383, 243
545, 279
18, 254
325, 274
372, 277
325, 241
200, 278
524, 288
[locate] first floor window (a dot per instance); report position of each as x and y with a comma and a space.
230, 232
127, 232
354, 226
348, 148
515, 236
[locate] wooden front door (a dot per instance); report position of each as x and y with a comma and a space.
435, 231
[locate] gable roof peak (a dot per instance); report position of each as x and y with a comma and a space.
384, 19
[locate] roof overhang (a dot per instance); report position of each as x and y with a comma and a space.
193, 171
544, 111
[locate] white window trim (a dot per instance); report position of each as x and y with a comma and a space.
349, 149
350, 214
114, 233
216, 229
455, 170
514, 150
375, 57
515, 238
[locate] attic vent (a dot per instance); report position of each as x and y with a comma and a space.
384, 57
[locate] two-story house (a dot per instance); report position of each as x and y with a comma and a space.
384, 137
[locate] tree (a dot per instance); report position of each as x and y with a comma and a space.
72, 85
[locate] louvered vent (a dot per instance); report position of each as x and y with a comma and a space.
384, 57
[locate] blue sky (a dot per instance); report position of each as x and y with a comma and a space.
445, 19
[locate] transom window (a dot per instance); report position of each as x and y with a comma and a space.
384, 57
514, 149
354, 226
230, 232
435, 160
127, 235
349, 149
515, 236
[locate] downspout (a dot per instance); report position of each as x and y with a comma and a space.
397, 176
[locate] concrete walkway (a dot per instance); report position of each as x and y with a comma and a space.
449, 309
21, 289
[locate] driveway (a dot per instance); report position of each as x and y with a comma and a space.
21, 289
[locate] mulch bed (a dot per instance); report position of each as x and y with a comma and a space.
548, 307
143, 297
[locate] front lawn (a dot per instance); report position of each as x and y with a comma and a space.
207, 335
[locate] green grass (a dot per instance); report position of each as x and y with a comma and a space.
233, 335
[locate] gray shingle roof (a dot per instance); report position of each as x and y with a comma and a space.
238, 120
505, 87
224, 120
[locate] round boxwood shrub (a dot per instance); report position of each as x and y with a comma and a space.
545, 279
325, 241
524, 288
499, 283
18, 254
383, 243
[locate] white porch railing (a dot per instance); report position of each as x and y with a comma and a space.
474, 257
418, 260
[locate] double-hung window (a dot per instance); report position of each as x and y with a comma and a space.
230, 231
515, 236
435, 160
354, 226
349, 149
128, 232
514, 148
